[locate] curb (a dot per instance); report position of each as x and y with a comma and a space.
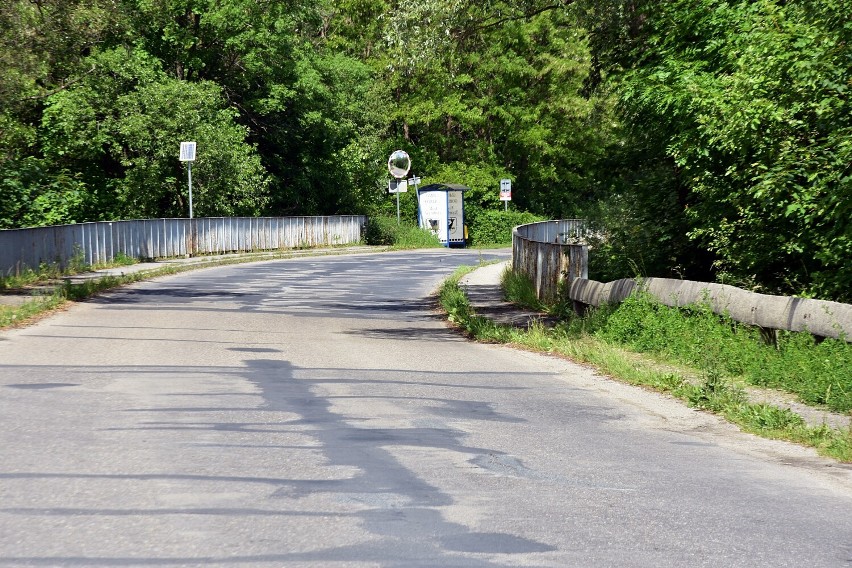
485, 293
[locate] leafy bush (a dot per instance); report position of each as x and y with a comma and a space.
35, 195
415, 237
383, 230
495, 227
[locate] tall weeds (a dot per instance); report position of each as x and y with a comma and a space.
820, 373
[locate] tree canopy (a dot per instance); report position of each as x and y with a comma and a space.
705, 138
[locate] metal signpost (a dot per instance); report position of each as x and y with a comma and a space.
399, 164
506, 192
187, 154
415, 181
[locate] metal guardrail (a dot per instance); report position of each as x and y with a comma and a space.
100, 242
564, 231
549, 253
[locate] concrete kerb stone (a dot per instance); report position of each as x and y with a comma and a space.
485, 294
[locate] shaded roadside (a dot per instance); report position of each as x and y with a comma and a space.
485, 292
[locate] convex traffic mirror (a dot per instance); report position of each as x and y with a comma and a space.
398, 164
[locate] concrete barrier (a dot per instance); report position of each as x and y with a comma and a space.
819, 317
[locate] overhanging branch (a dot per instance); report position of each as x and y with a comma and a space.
486, 24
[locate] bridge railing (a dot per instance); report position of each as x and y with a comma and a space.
551, 256
550, 253
100, 242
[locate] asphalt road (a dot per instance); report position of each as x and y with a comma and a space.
317, 412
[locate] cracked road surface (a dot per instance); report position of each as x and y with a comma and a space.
317, 412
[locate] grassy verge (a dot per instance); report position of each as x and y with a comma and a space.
399, 236
30, 277
24, 313
18, 315
50, 272
700, 359
819, 373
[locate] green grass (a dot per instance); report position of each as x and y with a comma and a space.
48, 272
29, 277
695, 356
519, 290
414, 237
120, 259
16, 315
819, 373
63, 293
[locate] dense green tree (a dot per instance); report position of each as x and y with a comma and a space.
35, 194
486, 91
43, 44
104, 91
706, 137
42, 50
120, 127
752, 98
307, 108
